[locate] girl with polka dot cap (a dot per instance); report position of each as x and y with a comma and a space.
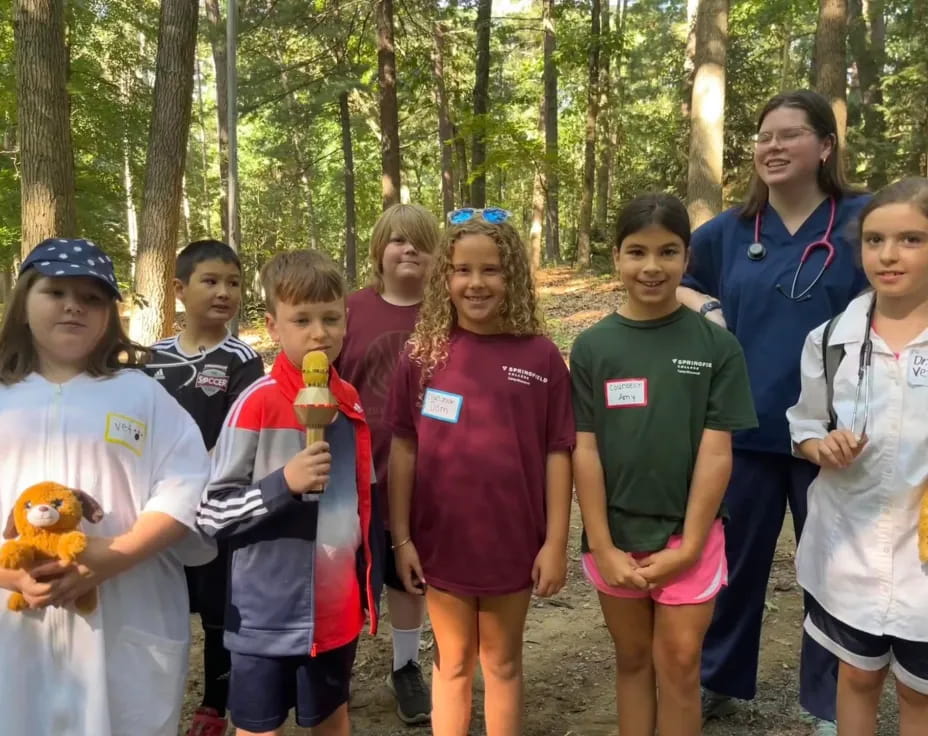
74, 411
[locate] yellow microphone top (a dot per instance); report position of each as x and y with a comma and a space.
316, 369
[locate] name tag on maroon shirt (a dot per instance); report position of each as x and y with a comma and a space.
622, 393
442, 405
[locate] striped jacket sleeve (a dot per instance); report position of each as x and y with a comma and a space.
235, 502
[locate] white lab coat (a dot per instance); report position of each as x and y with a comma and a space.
119, 671
858, 555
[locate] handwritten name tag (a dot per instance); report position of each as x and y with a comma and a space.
918, 368
441, 405
626, 392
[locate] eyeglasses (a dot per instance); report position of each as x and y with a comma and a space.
785, 136
493, 215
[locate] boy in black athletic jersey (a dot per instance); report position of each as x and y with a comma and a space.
205, 368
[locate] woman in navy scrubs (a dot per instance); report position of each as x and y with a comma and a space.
744, 273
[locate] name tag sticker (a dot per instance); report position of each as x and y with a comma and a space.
125, 431
918, 368
441, 405
622, 393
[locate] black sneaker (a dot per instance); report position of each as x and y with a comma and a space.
413, 700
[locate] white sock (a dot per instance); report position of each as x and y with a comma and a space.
405, 646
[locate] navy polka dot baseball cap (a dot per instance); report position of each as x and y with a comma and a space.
72, 257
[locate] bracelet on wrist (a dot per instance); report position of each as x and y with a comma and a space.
710, 306
395, 547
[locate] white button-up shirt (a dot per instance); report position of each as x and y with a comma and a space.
119, 670
858, 555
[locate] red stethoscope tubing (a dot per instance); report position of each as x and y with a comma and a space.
825, 242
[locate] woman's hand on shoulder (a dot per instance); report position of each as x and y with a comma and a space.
619, 569
838, 449
549, 573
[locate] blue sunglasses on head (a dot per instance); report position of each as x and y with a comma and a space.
493, 215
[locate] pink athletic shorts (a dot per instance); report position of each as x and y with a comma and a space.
700, 583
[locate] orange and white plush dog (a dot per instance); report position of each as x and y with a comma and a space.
46, 517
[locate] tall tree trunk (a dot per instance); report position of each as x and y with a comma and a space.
616, 134
47, 172
552, 222
167, 148
478, 154
351, 227
460, 154
536, 228
867, 39
132, 220
445, 131
205, 218
389, 112
589, 149
607, 111
217, 39
707, 121
184, 211
830, 59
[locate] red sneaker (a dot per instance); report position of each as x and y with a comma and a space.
208, 722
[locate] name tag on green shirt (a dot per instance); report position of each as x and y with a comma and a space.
623, 393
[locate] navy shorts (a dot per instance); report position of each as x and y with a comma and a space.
263, 690
908, 659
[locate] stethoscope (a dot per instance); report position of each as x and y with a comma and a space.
863, 374
757, 252
192, 362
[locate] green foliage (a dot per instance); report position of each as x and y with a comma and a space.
297, 57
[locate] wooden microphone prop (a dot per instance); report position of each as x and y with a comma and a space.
315, 406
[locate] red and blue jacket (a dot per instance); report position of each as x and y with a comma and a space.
306, 567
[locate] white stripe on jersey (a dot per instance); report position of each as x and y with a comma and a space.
241, 512
204, 521
238, 501
240, 348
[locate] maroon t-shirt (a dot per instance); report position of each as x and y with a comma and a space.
377, 332
484, 428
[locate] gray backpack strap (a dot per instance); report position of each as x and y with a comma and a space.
831, 359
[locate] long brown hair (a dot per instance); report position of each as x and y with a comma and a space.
437, 318
831, 177
18, 357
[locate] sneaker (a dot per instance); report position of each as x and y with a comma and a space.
821, 727
716, 706
208, 722
413, 700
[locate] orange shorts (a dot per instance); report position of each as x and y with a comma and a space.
700, 583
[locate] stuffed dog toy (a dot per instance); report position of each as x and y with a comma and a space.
46, 517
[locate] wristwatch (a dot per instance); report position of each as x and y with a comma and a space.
710, 306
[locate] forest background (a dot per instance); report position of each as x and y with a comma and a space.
114, 123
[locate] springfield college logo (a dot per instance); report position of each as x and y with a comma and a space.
523, 376
691, 367
213, 379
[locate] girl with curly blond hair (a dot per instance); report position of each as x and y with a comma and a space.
480, 470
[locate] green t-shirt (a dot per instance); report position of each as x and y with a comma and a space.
647, 389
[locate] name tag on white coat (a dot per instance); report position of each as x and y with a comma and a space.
442, 405
626, 392
918, 368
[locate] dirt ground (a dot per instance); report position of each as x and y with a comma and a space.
569, 662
